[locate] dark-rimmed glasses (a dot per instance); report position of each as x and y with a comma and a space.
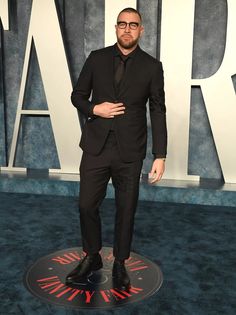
123, 25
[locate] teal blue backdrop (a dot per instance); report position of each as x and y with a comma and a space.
82, 27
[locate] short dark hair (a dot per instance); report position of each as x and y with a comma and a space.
130, 10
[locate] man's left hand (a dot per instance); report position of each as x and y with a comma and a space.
158, 168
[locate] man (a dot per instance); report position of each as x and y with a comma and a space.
122, 78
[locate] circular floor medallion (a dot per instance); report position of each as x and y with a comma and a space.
46, 280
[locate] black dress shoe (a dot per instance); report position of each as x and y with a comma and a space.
121, 278
85, 267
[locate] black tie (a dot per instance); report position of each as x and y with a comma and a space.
120, 71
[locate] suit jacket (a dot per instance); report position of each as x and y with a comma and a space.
143, 81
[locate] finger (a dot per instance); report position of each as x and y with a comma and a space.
115, 105
118, 113
151, 177
112, 115
117, 110
151, 174
156, 177
113, 112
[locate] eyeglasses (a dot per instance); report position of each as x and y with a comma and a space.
123, 25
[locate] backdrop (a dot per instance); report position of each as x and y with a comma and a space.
82, 27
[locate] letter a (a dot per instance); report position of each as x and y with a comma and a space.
44, 29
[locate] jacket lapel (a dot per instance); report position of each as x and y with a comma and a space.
110, 70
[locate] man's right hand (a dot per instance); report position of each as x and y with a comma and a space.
109, 110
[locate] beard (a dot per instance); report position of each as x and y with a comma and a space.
127, 44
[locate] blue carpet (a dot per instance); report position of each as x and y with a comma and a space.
195, 246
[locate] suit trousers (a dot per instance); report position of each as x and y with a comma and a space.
95, 173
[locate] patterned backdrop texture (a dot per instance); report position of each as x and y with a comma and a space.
82, 27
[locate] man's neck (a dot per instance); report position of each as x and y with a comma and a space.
126, 51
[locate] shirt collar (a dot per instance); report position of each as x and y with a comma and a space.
117, 52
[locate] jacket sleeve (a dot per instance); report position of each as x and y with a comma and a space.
158, 112
82, 90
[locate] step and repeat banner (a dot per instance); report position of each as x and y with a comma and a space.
43, 46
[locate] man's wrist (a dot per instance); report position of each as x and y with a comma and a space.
159, 157
162, 159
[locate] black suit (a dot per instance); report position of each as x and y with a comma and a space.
143, 81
